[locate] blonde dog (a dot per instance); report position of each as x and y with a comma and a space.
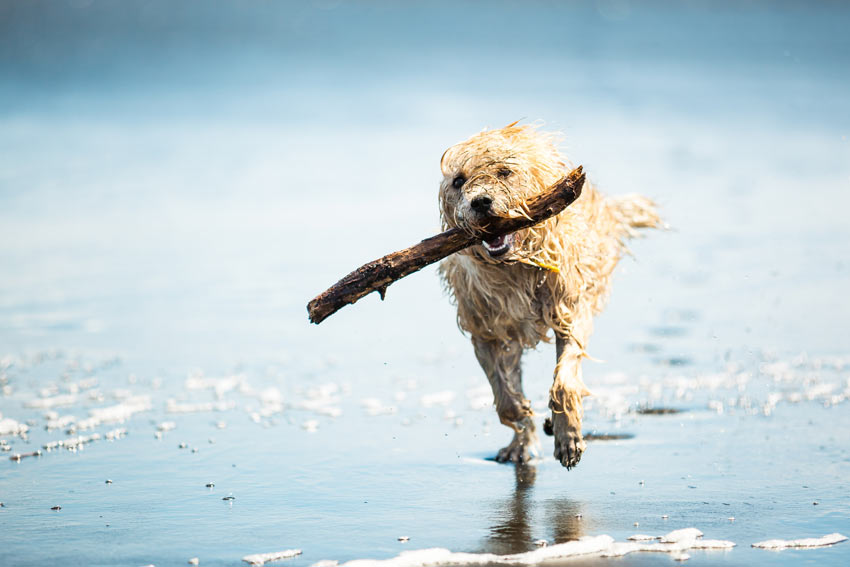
513, 290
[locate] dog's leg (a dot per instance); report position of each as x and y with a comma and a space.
565, 402
501, 363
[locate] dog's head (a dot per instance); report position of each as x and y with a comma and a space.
492, 174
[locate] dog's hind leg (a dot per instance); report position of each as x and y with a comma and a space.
501, 363
565, 402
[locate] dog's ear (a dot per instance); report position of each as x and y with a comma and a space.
442, 158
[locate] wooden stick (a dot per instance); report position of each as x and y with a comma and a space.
379, 274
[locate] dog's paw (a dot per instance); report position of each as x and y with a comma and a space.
515, 453
547, 427
569, 444
523, 448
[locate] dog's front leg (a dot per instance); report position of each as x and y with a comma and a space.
501, 363
565, 397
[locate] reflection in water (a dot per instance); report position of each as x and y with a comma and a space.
515, 530
512, 534
565, 520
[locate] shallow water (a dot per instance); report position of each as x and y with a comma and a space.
173, 190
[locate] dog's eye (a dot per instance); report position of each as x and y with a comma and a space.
458, 182
504, 172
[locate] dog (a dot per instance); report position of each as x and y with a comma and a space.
543, 282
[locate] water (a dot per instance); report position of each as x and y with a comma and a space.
177, 182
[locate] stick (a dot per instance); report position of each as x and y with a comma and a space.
379, 274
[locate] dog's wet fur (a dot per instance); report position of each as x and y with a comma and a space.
505, 300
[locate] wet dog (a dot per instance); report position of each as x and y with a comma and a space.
548, 280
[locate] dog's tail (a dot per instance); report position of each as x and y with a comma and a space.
635, 211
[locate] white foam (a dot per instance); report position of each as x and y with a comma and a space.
116, 413
260, 558
116, 434
122, 411
830, 539
675, 543
329, 411
9, 426
480, 397
374, 406
72, 443
85, 384
642, 537
272, 396
438, 556
60, 422
324, 405
323, 392
443, 398
219, 385
678, 536
172, 406
122, 394
53, 402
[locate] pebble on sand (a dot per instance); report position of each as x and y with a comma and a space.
194, 561
57, 508
108, 481
541, 542
403, 538
18, 456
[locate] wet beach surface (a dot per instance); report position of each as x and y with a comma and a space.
753, 454
170, 202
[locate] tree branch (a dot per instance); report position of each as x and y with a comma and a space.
379, 274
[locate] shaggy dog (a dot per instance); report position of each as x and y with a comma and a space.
511, 291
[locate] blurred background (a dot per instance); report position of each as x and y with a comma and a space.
179, 179
182, 178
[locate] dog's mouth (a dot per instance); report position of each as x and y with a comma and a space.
498, 246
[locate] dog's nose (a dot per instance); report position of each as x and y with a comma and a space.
481, 204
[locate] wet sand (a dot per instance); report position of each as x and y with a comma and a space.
224, 467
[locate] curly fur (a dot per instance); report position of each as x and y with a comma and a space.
510, 303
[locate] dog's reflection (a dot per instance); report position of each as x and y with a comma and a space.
515, 530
